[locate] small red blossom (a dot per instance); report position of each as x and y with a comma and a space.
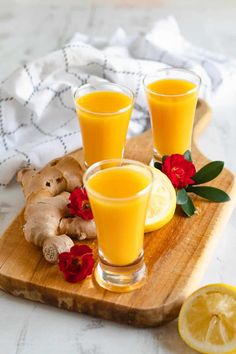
179, 170
76, 264
79, 204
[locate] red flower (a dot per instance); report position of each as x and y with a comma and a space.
76, 264
79, 204
179, 170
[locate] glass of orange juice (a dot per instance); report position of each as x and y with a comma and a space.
104, 111
119, 191
172, 98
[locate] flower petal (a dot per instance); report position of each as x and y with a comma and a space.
76, 264
178, 170
72, 277
64, 260
80, 250
79, 204
88, 263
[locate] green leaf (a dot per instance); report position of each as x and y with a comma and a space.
158, 165
188, 156
188, 208
164, 157
181, 196
210, 193
208, 172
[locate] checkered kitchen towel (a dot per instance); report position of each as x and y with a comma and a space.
37, 115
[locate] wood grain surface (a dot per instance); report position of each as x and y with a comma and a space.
176, 256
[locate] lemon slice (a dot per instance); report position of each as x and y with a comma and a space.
162, 202
207, 320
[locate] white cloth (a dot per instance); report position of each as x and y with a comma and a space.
37, 115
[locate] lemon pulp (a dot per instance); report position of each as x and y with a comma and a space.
207, 320
162, 202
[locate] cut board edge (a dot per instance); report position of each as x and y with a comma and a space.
143, 317
149, 317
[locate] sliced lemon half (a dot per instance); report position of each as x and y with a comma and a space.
162, 202
207, 320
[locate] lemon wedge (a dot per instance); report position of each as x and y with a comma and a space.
207, 320
162, 202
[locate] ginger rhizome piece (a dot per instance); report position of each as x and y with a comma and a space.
47, 195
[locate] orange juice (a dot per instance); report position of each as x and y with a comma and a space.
119, 199
172, 104
104, 118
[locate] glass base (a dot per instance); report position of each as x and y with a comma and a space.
152, 162
121, 278
86, 166
156, 157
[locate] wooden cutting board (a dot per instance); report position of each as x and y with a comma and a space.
176, 256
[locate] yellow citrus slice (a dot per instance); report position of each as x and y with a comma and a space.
207, 320
162, 202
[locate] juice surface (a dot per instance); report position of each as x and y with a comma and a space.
103, 132
120, 222
172, 116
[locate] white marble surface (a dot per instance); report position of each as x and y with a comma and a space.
29, 29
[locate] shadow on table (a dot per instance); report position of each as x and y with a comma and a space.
168, 339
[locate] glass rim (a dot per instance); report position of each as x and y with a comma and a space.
122, 110
120, 160
195, 89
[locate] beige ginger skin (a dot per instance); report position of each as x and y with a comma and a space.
47, 192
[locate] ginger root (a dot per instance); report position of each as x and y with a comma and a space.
47, 193
77, 227
57, 176
55, 245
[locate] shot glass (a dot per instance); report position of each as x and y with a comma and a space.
172, 98
119, 191
104, 111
